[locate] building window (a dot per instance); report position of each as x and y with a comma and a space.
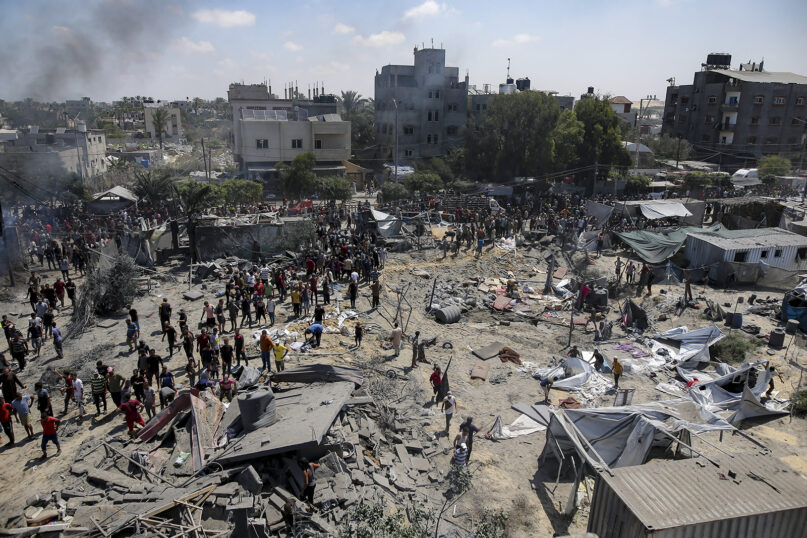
296, 143
437, 94
801, 253
429, 116
431, 94
477, 107
409, 153
777, 253
712, 99
451, 130
740, 256
723, 140
778, 100
484, 106
408, 130
799, 101
435, 139
317, 143
763, 254
436, 115
709, 119
752, 140
262, 143
428, 139
759, 99
775, 120
453, 107
754, 120
733, 100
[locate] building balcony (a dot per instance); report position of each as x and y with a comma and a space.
730, 106
332, 154
728, 126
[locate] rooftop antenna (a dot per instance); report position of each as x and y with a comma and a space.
432, 42
508, 67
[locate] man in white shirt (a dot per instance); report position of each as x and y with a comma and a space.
78, 394
265, 275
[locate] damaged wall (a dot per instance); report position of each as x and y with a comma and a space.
252, 240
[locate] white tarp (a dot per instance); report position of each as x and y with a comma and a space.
388, 225
663, 210
523, 425
571, 373
600, 212
694, 345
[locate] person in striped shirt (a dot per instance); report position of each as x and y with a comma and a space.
98, 387
460, 455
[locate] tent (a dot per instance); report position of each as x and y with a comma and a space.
662, 210
571, 373
388, 225
794, 306
600, 212
732, 392
634, 316
693, 345
623, 436
657, 247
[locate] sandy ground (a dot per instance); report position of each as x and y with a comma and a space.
506, 474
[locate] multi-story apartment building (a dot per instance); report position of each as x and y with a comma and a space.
427, 101
55, 152
738, 114
268, 130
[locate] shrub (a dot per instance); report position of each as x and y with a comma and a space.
733, 348
799, 403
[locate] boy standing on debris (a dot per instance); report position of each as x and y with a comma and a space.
436, 379
310, 481
49, 427
98, 387
149, 397
22, 408
280, 352
397, 334
238, 341
460, 455
266, 346
617, 370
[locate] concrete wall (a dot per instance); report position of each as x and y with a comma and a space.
700, 253
252, 240
173, 127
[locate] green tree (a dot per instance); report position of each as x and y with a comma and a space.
154, 186
771, 166
423, 182
455, 159
515, 137
566, 139
159, 118
442, 169
391, 191
241, 191
334, 188
602, 143
352, 102
637, 183
669, 147
297, 180
696, 180
195, 198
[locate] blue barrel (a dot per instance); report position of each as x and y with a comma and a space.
737, 321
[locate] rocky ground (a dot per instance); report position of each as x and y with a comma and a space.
506, 474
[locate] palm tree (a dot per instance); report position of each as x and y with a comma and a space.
154, 187
352, 101
159, 117
194, 198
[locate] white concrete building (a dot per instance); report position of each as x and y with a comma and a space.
267, 131
54, 152
173, 127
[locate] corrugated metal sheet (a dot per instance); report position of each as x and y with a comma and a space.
683, 498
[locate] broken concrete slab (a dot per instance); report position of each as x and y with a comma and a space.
383, 483
421, 464
403, 455
193, 295
250, 480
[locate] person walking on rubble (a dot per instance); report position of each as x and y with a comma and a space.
617, 371
310, 483
449, 408
436, 379
396, 336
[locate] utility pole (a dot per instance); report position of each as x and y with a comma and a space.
395, 103
678, 152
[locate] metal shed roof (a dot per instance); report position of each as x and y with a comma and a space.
687, 492
751, 238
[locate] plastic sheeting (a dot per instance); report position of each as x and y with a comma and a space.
572, 373
624, 436
600, 212
656, 247
388, 225
523, 425
694, 345
663, 210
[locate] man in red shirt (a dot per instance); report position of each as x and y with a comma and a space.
59, 286
436, 380
49, 425
5, 420
130, 409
